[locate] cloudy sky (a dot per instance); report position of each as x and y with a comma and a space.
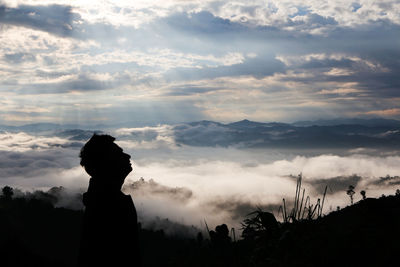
140, 65
149, 62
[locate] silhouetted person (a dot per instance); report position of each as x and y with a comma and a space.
220, 237
110, 231
221, 246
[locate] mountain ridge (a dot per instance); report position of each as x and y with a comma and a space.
374, 122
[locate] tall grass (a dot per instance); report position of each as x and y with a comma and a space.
302, 210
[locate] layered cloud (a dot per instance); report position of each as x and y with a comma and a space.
55, 19
285, 60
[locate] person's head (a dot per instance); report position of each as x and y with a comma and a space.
104, 159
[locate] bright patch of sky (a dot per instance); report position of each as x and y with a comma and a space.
150, 62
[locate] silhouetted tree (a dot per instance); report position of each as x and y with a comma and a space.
350, 192
397, 192
8, 192
363, 194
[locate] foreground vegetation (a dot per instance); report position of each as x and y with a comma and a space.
35, 233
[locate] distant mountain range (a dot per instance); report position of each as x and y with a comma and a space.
354, 121
37, 127
373, 133
339, 133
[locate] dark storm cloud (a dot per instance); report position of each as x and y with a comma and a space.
54, 19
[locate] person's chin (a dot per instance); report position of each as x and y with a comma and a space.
129, 169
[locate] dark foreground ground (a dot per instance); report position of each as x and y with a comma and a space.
34, 233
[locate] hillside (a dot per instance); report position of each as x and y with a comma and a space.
33, 232
364, 234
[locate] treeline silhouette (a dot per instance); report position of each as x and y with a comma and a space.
34, 232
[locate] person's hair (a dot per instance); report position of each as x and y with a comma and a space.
95, 153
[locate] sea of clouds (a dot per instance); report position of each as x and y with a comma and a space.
189, 184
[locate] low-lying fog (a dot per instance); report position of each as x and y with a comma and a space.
190, 184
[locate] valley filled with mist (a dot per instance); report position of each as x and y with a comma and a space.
192, 172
